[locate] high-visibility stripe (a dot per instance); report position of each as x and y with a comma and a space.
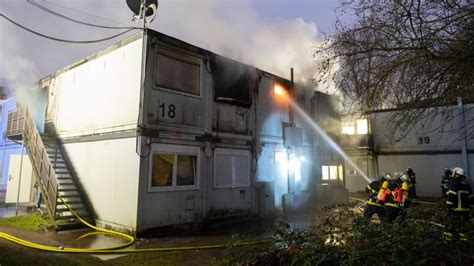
392, 205
375, 204
449, 202
461, 209
451, 192
464, 191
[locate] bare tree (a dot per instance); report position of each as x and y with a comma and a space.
406, 54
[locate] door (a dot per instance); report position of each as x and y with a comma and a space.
14, 184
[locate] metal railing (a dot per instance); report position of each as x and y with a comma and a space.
20, 124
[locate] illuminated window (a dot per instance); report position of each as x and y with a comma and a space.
349, 130
325, 172
162, 173
331, 172
362, 127
280, 157
174, 168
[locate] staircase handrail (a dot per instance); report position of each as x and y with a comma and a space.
20, 122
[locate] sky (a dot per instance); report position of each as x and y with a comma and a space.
273, 35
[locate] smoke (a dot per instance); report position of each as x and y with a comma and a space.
233, 29
230, 28
20, 73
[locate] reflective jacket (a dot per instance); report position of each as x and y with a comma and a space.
373, 189
459, 196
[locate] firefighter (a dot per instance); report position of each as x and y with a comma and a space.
459, 196
373, 206
412, 182
396, 195
404, 198
445, 180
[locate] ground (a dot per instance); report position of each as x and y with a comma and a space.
430, 213
13, 254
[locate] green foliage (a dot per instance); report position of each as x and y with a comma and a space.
34, 221
351, 240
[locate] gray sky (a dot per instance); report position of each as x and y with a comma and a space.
271, 34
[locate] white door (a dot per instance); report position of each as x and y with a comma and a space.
26, 183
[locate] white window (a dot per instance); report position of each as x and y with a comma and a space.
231, 168
348, 130
331, 172
280, 157
362, 127
174, 168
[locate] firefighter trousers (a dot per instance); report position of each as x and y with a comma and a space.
391, 213
371, 209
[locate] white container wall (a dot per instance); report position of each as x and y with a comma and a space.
108, 171
100, 95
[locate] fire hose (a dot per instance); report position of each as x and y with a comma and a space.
115, 249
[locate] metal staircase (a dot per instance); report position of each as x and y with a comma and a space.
51, 169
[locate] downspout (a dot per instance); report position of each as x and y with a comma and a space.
465, 159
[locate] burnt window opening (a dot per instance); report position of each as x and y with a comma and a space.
234, 82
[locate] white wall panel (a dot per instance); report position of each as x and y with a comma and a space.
108, 170
428, 169
101, 95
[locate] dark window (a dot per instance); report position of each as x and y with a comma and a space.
175, 74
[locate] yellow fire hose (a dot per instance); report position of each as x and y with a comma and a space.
115, 249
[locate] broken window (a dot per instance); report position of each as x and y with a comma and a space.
177, 73
233, 81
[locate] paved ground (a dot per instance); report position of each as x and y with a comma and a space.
13, 254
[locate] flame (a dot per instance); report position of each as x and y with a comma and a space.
279, 90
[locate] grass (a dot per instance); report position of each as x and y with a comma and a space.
33, 222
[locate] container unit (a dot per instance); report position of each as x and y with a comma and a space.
92, 109
428, 147
205, 135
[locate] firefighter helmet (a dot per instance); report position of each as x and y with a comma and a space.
405, 177
387, 176
458, 171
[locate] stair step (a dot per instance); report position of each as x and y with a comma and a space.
70, 202
61, 171
66, 209
75, 207
69, 226
68, 190
65, 215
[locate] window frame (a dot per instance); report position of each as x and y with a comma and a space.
338, 172
193, 60
226, 151
176, 150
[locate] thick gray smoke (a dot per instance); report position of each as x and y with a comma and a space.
230, 28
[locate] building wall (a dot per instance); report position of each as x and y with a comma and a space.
7, 146
94, 106
97, 96
108, 172
430, 146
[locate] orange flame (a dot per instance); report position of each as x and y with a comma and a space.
279, 90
